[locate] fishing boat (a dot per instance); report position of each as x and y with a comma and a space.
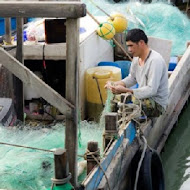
116, 169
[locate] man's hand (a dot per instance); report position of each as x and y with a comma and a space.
109, 84
120, 89
117, 87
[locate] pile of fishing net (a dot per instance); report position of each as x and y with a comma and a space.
25, 168
157, 19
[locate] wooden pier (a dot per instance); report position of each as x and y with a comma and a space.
72, 11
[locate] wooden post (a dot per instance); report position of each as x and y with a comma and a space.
72, 94
91, 162
8, 30
18, 85
40, 9
61, 164
111, 128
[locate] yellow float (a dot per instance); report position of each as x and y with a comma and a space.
119, 22
106, 31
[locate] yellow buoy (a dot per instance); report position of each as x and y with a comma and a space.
119, 22
106, 31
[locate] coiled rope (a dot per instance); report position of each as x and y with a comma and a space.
130, 111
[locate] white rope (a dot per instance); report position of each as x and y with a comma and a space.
129, 111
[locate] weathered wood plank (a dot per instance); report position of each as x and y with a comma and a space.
51, 51
29, 78
55, 51
180, 70
174, 119
91, 162
119, 165
92, 181
8, 30
42, 9
72, 94
6, 81
17, 84
61, 164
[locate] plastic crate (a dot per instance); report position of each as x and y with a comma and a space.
2, 25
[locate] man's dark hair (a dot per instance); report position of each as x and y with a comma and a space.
135, 35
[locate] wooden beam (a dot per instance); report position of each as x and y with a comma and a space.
17, 83
29, 78
61, 164
174, 119
42, 9
111, 129
92, 181
56, 51
93, 149
72, 94
51, 51
8, 30
119, 165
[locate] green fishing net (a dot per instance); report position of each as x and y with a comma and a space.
157, 19
25, 169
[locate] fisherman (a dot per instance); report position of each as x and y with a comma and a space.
149, 71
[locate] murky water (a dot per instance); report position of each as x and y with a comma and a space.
176, 155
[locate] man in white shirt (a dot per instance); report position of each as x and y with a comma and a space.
149, 70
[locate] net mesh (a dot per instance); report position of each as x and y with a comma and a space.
31, 169
157, 19
22, 168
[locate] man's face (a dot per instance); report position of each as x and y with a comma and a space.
134, 48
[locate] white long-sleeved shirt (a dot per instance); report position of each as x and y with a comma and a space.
152, 79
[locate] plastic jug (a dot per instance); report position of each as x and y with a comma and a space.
96, 94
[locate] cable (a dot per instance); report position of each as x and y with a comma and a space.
20, 146
140, 162
99, 91
99, 164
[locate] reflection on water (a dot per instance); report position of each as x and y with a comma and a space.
176, 155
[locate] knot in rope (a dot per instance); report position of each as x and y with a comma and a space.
92, 156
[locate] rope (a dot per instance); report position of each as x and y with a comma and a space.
130, 111
99, 164
100, 9
111, 140
60, 181
66, 186
20, 146
89, 154
114, 40
140, 162
99, 91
